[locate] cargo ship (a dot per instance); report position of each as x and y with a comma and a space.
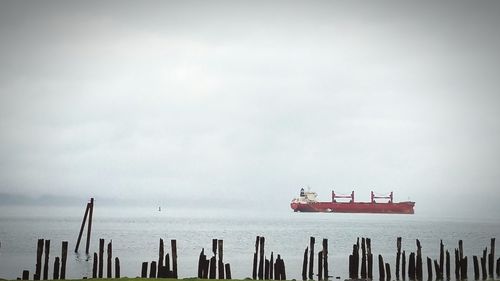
307, 202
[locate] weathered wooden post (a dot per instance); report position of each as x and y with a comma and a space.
56, 269
173, 245
320, 265
94, 266
201, 262
64, 256
81, 227
363, 258
498, 267
370, 258
101, 257
110, 257
311, 258
213, 266
463, 267
38, 266
411, 266
398, 256
441, 260
438, 270
457, 265
261, 258
388, 271
228, 271
429, 269
419, 266
89, 227
266, 269
325, 259
144, 270
483, 263
117, 267
254, 268
403, 266
161, 255
381, 270
448, 266
304, 264
220, 244
271, 266
476, 267
26, 274
491, 258
152, 270
46, 261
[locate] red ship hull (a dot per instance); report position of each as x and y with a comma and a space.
355, 207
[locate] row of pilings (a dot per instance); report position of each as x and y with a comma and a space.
270, 267
413, 269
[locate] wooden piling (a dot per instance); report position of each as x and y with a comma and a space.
388, 271
476, 267
271, 266
64, 256
355, 260
325, 259
56, 269
448, 267
117, 267
152, 270
101, 257
411, 266
283, 269
381, 268
81, 227
441, 260
26, 274
144, 270
419, 266
46, 261
498, 267
261, 258
403, 266
213, 266
429, 269
438, 270
173, 245
228, 271
94, 266
110, 257
363, 258
491, 258
201, 262
398, 256
457, 265
463, 268
254, 268
320, 265
311, 258
89, 227
483, 263
304, 264
266, 269
161, 255
220, 245
369, 258
167, 266
38, 266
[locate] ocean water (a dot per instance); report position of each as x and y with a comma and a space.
135, 233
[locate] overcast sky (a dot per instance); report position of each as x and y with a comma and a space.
245, 100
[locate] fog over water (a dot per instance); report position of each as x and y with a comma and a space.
240, 104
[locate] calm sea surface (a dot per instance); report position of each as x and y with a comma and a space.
136, 232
